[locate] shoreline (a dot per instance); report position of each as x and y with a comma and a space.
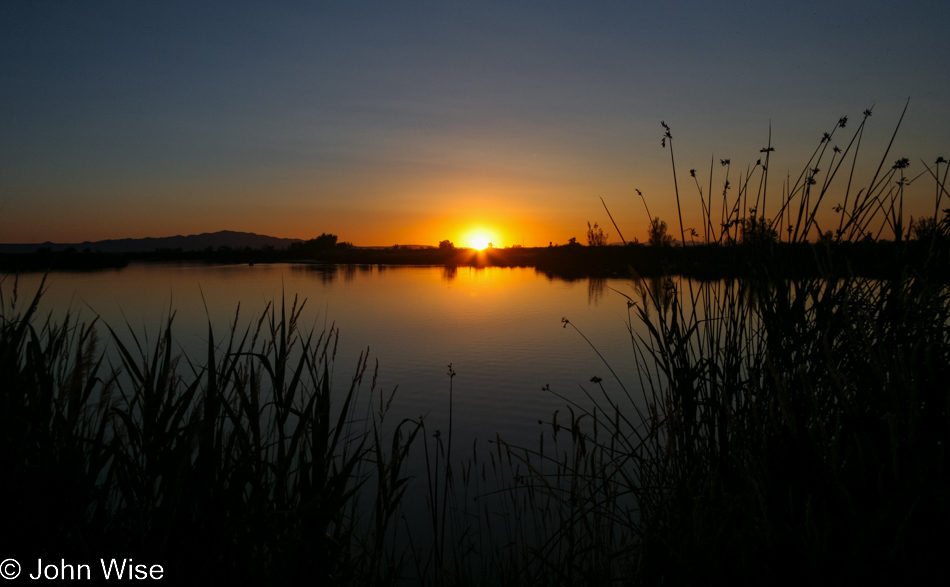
704, 262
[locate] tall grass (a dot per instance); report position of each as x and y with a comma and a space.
875, 211
232, 466
793, 429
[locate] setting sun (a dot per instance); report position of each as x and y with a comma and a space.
480, 240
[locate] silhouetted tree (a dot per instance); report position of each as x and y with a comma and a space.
446, 245
324, 242
756, 231
596, 236
924, 228
658, 233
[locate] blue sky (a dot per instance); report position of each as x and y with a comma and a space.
410, 122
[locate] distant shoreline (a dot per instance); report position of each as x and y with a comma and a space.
777, 260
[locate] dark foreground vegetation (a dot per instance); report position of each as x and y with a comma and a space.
784, 427
226, 467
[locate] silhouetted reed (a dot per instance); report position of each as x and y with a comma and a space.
787, 428
233, 466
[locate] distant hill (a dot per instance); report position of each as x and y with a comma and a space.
193, 242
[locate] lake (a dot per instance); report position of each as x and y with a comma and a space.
783, 382
500, 328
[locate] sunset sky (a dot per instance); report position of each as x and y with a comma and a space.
413, 122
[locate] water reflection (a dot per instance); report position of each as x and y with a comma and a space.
449, 273
595, 290
655, 292
326, 273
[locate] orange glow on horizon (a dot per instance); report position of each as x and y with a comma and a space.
481, 238
479, 242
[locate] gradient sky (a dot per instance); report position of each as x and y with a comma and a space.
411, 122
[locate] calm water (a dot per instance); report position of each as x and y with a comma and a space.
499, 327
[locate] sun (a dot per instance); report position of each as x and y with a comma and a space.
479, 242
480, 238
